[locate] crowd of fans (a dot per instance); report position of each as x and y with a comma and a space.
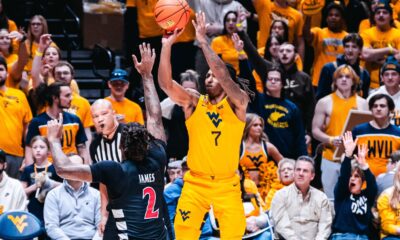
305, 74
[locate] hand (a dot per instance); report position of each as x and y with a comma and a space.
148, 56
170, 39
308, 139
201, 27
44, 42
237, 42
102, 225
242, 15
337, 141
349, 144
15, 35
251, 224
46, 68
361, 156
54, 129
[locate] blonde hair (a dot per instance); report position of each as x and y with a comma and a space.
250, 119
395, 198
283, 161
346, 69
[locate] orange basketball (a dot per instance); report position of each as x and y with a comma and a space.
172, 14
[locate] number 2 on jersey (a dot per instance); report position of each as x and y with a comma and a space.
217, 134
150, 213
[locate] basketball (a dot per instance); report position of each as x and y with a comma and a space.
172, 14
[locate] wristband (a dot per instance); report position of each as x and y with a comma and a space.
242, 52
238, 24
331, 139
38, 53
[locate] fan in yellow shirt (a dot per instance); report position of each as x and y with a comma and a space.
380, 41
126, 110
15, 62
223, 44
327, 42
389, 209
294, 19
15, 115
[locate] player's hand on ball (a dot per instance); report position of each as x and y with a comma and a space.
170, 39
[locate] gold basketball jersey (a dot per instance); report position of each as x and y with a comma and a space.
215, 134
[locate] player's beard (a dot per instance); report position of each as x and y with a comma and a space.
60, 106
2, 82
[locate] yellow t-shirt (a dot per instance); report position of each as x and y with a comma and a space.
224, 46
327, 46
292, 17
390, 218
130, 110
31, 53
340, 109
14, 114
214, 133
373, 38
148, 26
80, 106
11, 60
263, 9
366, 24
130, 3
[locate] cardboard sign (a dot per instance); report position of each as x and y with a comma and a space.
354, 118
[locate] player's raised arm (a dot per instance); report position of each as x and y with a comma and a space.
64, 167
236, 95
153, 109
174, 90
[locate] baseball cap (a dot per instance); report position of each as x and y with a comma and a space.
119, 74
390, 64
2, 156
384, 4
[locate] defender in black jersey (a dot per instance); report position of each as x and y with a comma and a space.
134, 186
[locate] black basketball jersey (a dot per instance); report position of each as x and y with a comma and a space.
135, 192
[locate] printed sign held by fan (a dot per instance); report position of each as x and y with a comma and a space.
172, 14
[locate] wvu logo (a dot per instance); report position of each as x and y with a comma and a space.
256, 160
184, 214
214, 117
19, 222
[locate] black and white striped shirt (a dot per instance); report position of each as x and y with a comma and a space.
102, 149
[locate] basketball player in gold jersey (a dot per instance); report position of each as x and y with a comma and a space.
215, 124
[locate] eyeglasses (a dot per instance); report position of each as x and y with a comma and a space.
63, 73
36, 24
